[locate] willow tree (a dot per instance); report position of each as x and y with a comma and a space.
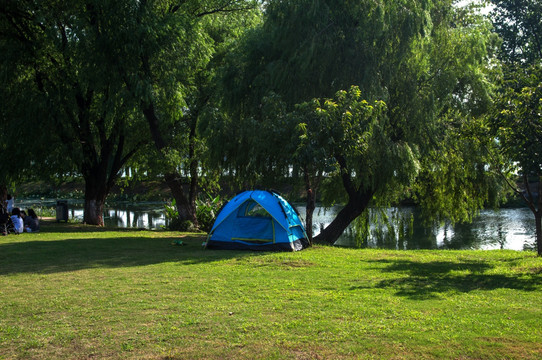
68, 108
425, 60
100, 67
516, 121
517, 124
165, 53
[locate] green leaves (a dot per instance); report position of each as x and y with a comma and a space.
517, 122
351, 128
519, 23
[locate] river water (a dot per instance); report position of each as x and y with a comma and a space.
400, 228
404, 229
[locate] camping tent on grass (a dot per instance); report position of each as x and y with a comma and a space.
258, 220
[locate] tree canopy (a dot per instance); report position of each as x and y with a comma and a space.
69, 108
519, 24
427, 61
515, 122
86, 77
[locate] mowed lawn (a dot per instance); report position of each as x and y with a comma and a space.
78, 292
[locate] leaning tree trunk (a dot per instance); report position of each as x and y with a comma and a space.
354, 208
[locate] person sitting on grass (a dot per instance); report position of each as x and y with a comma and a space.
31, 222
17, 220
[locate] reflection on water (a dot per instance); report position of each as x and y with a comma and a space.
401, 228
144, 216
147, 215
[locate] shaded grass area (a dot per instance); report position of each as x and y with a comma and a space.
75, 291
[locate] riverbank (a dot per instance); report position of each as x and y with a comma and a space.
405, 227
77, 291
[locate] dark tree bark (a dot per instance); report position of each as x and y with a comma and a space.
358, 201
95, 196
355, 207
538, 222
193, 191
100, 174
538, 218
3, 196
534, 202
173, 179
186, 211
102, 157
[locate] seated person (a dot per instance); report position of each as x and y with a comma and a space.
17, 220
31, 221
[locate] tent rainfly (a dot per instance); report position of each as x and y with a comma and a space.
258, 220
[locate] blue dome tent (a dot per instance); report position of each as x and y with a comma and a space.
258, 220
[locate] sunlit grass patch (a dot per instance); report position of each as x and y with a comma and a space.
74, 291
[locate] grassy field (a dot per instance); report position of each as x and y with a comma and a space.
77, 292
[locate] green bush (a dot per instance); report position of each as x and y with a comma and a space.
206, 212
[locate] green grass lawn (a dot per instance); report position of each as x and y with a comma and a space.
77, 292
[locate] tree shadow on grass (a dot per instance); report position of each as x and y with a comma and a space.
84, 253
429, 280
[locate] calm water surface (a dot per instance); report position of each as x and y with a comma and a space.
512, 229
493, 229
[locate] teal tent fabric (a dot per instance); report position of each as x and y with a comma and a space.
258, 220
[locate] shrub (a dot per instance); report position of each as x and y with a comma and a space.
206, 212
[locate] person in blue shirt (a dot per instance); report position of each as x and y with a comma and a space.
18, 224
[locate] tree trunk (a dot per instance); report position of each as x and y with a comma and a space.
311, 204
193, 191
538, 222
354, 208
535, 205
173, 179
538, 218
186, 212
3, 196
95, 195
